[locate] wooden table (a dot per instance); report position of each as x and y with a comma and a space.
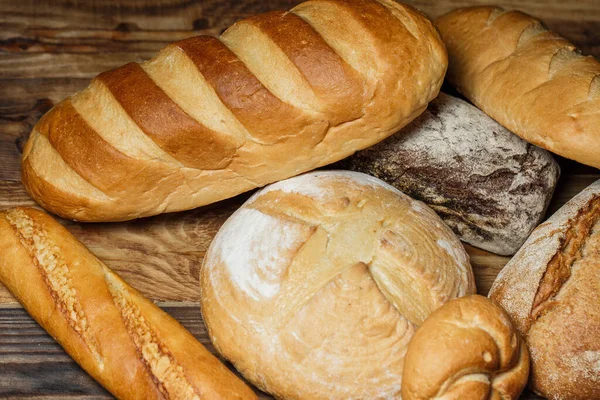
52, 48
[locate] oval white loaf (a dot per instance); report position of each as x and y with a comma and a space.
208, 118
314, 287
551, 289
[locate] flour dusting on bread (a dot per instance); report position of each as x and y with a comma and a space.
257, 248
530, 262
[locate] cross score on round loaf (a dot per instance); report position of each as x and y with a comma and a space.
467, 349
206, 119
531, 80
551, 289
314, 287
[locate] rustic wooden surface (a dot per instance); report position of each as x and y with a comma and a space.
51, 48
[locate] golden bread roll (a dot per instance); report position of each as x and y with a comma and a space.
468, 349
125, 342
314, 287
208, 118
551, 289
531, 80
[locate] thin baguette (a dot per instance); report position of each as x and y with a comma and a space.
125, 342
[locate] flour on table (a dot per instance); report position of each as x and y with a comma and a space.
257, 248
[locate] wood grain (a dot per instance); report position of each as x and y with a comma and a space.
50, 49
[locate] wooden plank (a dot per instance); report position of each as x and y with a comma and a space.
83, 58
29, 359
61, 65
177, 14
133, 14
159, 256
64, 40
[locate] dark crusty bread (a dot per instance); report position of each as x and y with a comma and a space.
208, 118
531, 80
551, 288
125, 342
491, 187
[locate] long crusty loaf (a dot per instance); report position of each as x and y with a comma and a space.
531, 80
491, 187
551, 289
207, 118
125, 342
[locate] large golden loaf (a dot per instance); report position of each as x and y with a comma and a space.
314, 287
206, 119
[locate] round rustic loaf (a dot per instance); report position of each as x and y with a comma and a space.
551, 289
314, 287
467, 349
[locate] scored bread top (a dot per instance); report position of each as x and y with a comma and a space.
314, 287
124, 341
550, 288
531, 80
206, 119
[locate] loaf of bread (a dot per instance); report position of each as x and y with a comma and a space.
206, 119
314, 287
125, 342
551, 289
491, 187
468, 349
531, 80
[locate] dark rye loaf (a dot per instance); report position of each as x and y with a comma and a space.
491, 187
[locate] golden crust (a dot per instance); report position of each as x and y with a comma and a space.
303, 89
165, 122
88, 154
314, 287
240, 91
467, 349
122, 340
529, 79
550, 288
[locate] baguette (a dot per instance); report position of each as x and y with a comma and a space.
129, 345
529, 79
551, 289
207, 118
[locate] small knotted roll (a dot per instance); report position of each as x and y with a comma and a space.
467, 349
